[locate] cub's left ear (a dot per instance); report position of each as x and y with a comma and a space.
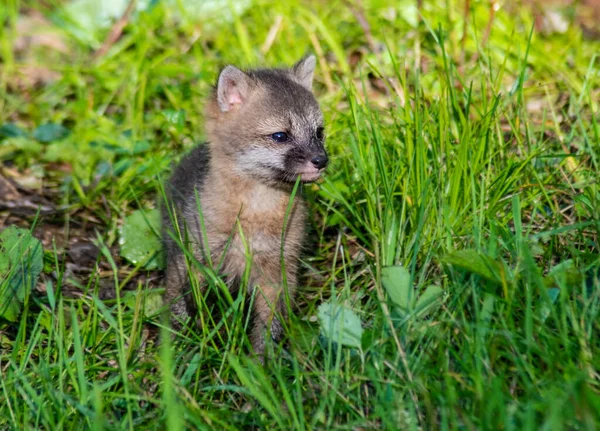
304, 70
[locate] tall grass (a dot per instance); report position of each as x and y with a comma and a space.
434, 152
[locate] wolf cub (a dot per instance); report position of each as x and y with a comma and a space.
264, 129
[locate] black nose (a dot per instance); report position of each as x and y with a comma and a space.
320, 161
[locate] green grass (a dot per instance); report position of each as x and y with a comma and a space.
487, 145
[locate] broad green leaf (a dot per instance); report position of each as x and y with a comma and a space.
21, 261
152, 303
10, 130
564, 274
140, 241
429, 299
397, 283
50, 132
340, 324
476, 263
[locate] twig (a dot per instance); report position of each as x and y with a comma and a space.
322, 62
358, 11
488, 29
115, 32
418, 38
266, 46
464, 36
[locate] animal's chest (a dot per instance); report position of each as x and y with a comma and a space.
262, 227
258, 234
256, 224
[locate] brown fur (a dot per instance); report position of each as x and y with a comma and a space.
244, 179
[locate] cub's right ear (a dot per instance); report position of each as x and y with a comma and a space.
233, 88
304, 70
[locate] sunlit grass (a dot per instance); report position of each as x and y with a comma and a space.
437, 145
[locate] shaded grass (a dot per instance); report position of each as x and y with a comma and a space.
499, 155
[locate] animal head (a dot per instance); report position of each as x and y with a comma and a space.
268, 124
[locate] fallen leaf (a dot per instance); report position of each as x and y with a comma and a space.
33, 31
50, 132
140, 241
397, 283
340, 324
21, 262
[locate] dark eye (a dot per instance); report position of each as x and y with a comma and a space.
280, 137
320, 133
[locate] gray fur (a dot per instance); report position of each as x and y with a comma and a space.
233, 88
304, 70
244, 178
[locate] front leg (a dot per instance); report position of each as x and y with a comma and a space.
178, 295
269, 303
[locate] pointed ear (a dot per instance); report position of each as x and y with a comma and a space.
233, 88
304, 70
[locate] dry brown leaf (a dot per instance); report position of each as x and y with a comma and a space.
30, 76
35, 31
